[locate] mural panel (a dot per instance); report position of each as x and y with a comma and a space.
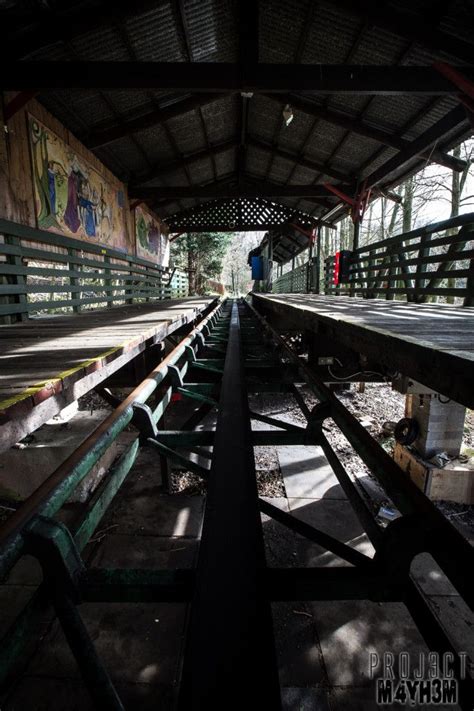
71, 196
152, 237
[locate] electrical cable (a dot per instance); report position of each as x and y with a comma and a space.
387, 377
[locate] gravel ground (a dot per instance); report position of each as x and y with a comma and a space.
269, 483
92, 401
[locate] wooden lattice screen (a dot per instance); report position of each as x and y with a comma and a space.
236, 214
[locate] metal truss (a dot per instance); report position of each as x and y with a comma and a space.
229, 649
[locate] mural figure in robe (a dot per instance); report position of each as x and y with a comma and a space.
74, 183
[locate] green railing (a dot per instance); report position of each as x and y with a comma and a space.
302, 279
434, 260
34, 521
42, 272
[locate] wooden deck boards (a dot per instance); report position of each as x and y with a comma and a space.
40, 359
432, 343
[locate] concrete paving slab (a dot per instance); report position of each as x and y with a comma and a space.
145, 475
153, 552
336, 518
298, 650
26, 572
137, 643
307, 474
300, 699
12, 600
350, 630
280, 541
38, 693
152, 514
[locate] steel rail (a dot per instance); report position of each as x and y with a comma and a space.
56, 489
230, 647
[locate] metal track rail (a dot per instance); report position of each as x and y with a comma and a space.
229, 654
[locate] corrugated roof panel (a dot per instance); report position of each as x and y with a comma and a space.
331, 37
281, 27
225, 162
154, 37
104, 44
211, 26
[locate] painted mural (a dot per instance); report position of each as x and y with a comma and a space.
71, 196
152, 237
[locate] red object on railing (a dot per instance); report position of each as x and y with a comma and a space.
337, 265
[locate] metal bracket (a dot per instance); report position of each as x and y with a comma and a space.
465, 86
175, 376
143, 420
200, 337
320, 412
189, 353
315, 419
402, 540
52, 544
358, 203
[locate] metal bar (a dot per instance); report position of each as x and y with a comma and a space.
276, 423
179, 458
96, 678
230, 636
448, 546
351, 555
337, 583
221, 77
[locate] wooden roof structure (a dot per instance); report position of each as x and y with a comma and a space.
184, 100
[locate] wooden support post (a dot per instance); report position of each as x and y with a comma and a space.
392, 272
18, 280
129, 290
107, 281
469, 298
74, 281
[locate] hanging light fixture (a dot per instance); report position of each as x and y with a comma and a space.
288, 114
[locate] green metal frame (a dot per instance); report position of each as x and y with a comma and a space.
268, 365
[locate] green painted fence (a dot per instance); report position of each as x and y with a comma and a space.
42, 272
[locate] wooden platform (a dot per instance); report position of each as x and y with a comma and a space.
432, 343
47, 363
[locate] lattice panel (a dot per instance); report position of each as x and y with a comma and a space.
236, 214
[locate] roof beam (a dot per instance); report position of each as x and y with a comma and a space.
299, 159
102, 137
410, 26
231, 191
248, 57
223, 77
453, 124
163, 168
455, 118
355, 125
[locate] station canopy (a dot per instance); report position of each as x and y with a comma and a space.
238, 115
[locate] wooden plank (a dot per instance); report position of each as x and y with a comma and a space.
101, 343
407, 337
